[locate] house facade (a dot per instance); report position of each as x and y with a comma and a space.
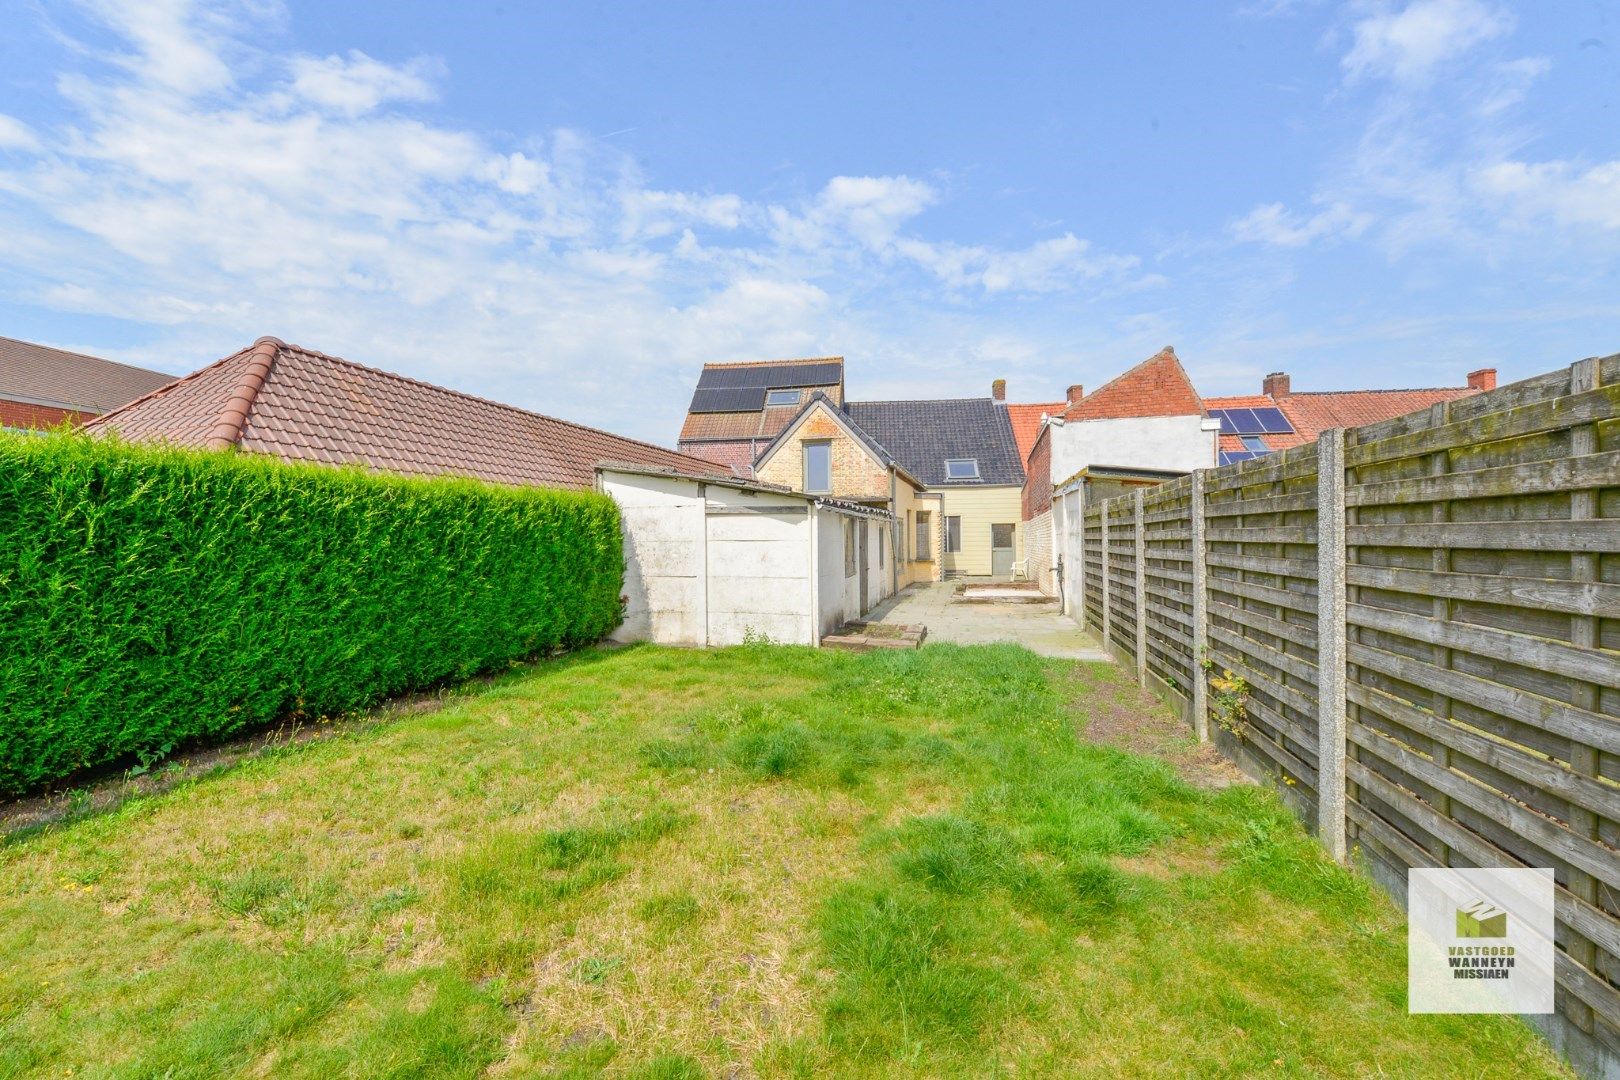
964, 452
42, 387
823, 452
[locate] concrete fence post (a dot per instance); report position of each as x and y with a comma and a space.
1106, 619
1200, 611
1330, 642
1080, 554
1141, 589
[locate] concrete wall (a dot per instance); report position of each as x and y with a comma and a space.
979, 508
758, 567
664, 533
1039, 545
707, 564
1148, 442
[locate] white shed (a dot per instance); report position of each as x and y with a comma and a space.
711, 561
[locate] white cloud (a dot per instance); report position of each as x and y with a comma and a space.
1410, 44
16, 135
1276, 225
1510, 81
214, 200
1560, 190
358, 84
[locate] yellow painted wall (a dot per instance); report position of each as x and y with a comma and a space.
908, 500
979, 508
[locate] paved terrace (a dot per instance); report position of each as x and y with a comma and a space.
1038, 627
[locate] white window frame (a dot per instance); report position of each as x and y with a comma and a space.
925, 536
973, 463
953, 526
849, 547
797, 396
806, 448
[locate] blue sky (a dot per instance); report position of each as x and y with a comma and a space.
572, 206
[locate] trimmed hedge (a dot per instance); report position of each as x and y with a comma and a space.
155, 597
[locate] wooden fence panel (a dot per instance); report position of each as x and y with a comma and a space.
1167, 543
1479, 640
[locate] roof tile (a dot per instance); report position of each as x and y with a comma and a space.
311, 406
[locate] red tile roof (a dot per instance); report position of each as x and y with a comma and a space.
1158, 386
303, 405
41, 375
1026, 423
1254, 401
1315, 412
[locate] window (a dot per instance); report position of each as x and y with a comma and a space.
953, 534
818, 466
961, 468
883, 542
925, 539
849, 548
1255, 444
782, 397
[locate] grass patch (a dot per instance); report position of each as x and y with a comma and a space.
665, 863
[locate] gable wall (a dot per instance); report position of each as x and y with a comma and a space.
855, 473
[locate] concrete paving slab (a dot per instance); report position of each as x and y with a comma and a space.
1039, 627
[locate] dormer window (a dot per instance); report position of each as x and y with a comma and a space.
782, 397
961, 468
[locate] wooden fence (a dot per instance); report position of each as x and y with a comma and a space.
1421, 621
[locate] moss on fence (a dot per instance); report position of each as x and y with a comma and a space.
156, 597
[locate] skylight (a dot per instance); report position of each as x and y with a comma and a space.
782, 397
961, 468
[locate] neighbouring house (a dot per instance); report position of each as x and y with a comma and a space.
1144, 427
738, 408
42, 387
964, 452
302, 405
822, 451
722, 560
1277, 417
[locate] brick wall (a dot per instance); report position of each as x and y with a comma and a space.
1038, 477
855, 473
20, 414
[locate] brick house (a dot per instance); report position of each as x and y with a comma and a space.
41, 387
822, 451
738, 408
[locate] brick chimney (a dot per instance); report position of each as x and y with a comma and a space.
1076, 392
1483, 379
1276, 385
998, 389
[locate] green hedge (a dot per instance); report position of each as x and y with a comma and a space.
152, 597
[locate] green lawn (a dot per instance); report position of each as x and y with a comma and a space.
762, 860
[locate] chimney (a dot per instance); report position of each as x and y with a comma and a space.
998, 389
1483, 379
1076, 392
1276, 385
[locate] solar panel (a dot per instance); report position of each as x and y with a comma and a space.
1229, 457
1226, 424
735, 378
728, 399
1273, 422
